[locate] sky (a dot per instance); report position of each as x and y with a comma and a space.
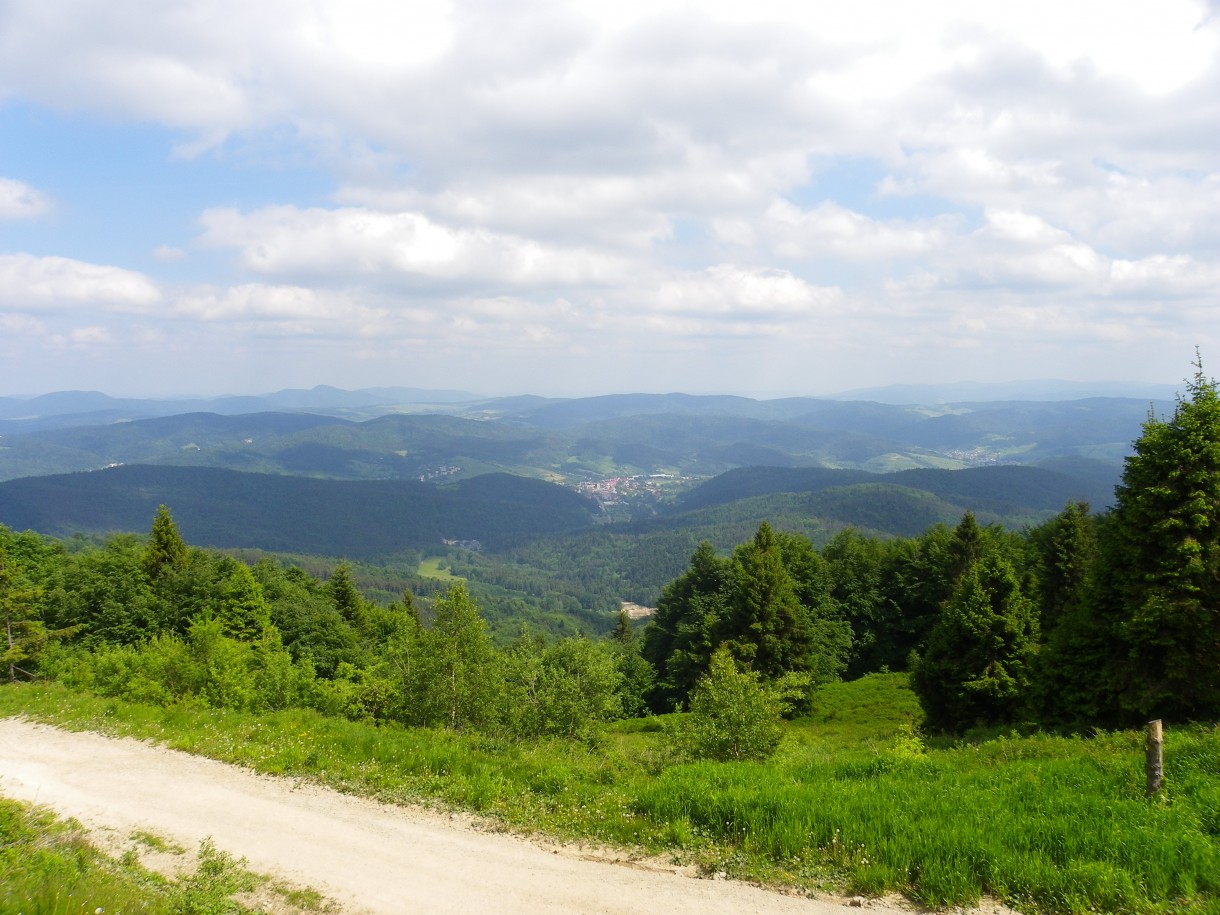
772, 198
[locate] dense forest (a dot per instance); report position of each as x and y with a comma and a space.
1079, 621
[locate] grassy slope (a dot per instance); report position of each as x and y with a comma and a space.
48, 867
853, 801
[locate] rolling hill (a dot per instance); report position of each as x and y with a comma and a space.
364, 519
591, 438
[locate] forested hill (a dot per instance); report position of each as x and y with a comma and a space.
1000, 489
225, 508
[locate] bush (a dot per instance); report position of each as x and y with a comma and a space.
733, 715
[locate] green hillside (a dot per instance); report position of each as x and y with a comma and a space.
294, 514
1003, 490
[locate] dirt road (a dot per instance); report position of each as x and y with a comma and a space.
369, 857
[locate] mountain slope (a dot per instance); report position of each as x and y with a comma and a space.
1002, 489
225, 508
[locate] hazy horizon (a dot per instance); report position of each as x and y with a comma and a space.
1033, 389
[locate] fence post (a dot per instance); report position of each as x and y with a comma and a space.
1154, 759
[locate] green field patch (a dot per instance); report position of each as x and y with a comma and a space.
432, 568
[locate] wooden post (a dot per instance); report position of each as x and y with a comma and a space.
1154, 759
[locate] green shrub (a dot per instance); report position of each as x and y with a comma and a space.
733, 715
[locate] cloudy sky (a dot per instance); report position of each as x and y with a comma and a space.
563, 198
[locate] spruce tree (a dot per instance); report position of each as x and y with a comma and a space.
346, 597
977, 667
1064, 549
23, 633
1158, 590
245, 614
679, 641
768, 627
166, 549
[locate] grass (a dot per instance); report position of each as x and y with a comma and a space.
49, 868
155, 842
855, 800
431, 568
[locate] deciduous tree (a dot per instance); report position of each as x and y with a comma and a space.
734, 715
458, 677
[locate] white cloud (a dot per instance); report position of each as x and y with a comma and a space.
397, 248
1165, 277
255, 301
833, 230
37, 284
83, 337
574, 176
20, 325
20, 201
168, 254
729, 291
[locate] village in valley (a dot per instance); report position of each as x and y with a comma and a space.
628, 496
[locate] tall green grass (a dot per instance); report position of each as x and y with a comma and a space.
47, 867
854, 801
1058, 824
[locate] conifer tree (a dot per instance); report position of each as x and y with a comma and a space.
977, 667
24, 633
245, 614
768, 627
346, 596
679, 641
966, 546
1064, 549
1158, 588
166, 549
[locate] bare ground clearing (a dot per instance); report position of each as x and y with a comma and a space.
369, 857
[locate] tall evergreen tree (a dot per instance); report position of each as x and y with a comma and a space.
1064, 549
920, 582
166, 549
856, 566
346, 596
685, 629
768, 627
977, 667
829, 630
24, 632
245, 614
1158, 589
966, 546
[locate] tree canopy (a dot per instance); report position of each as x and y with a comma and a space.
1162, 571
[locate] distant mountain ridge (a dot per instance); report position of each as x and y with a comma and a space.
62, 408
974, 391
326, 399
592, 438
